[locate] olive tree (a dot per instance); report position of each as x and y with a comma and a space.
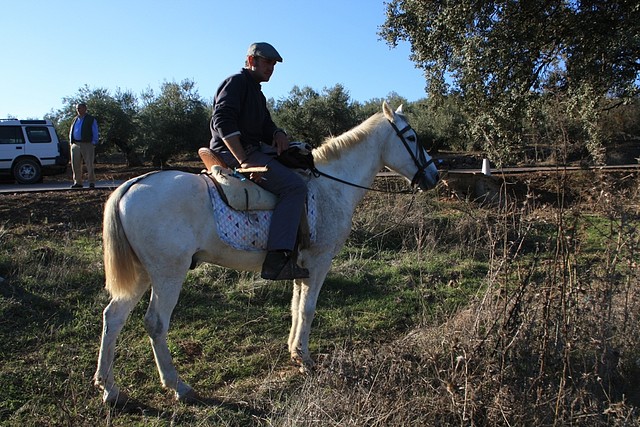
174, 121
116, 115
502, 56
311, 116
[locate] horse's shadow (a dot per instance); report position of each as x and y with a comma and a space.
127, 405
224, 403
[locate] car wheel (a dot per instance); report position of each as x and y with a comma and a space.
27, 171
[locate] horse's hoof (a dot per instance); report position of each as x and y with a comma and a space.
307, 368
189, 397
115, 398
304, 366
296, 360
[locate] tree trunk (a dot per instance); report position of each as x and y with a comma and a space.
132, 157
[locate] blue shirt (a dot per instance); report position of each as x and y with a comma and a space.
77, 130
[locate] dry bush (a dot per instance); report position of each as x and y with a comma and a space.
418, 222
552, 339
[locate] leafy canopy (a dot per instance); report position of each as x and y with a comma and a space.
501, 55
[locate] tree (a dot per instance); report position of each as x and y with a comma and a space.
309, 116
296, 117
338, 115
501, 56
115, 114
121, 122
439, 123
175, 121
374, 105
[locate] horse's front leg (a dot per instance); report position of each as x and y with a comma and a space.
295, 302
303, 308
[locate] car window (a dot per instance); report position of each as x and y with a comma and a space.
38, 134
11, 135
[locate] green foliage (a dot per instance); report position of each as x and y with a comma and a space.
116, 115
621, 122
503, 78
165, 125
173, 122
440, 123
309, 116
500, 56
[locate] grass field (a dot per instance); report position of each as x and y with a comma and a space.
439, 311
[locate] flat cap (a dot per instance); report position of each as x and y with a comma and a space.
264, 50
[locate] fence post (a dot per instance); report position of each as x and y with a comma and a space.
486, 169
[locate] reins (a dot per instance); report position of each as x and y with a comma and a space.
421, 167
318, 173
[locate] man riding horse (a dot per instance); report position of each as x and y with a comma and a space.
244, 135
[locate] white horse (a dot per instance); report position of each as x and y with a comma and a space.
159, 225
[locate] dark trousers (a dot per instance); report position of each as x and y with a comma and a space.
291, 191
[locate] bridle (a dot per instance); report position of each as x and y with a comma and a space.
418, 158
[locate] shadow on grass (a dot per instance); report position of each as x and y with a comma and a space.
126, 405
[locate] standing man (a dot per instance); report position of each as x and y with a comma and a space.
83, 137
244, 135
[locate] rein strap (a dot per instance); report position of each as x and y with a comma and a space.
318, 173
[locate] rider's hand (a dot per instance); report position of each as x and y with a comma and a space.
280, 142
256, 177
253, 176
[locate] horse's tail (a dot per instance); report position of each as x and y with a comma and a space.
121, 264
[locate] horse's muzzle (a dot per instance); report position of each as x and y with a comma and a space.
426, 180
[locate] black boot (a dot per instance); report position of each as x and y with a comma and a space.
280, 265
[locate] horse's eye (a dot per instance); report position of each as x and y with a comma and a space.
411, 138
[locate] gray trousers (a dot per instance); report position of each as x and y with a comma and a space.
291, 191
83, 151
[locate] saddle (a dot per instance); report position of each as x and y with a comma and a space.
235, 189
242, 194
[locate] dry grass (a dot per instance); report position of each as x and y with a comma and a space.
552, 339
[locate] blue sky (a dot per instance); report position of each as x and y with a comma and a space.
50, 49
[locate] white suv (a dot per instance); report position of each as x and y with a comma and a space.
30, 149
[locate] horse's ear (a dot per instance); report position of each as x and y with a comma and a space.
399, 109
388, 112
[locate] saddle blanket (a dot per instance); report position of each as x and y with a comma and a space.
249, 230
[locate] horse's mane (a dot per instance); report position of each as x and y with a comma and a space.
332, 147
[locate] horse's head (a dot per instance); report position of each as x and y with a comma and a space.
408, 157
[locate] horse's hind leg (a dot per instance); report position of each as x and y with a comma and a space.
114, 317
164, 296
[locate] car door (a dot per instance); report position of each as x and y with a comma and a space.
41, 145
12, 145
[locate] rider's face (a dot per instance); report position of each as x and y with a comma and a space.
262, 68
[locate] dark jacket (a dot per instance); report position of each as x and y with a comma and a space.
241, 107
86, 131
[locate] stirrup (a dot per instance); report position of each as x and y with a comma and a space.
280, 266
